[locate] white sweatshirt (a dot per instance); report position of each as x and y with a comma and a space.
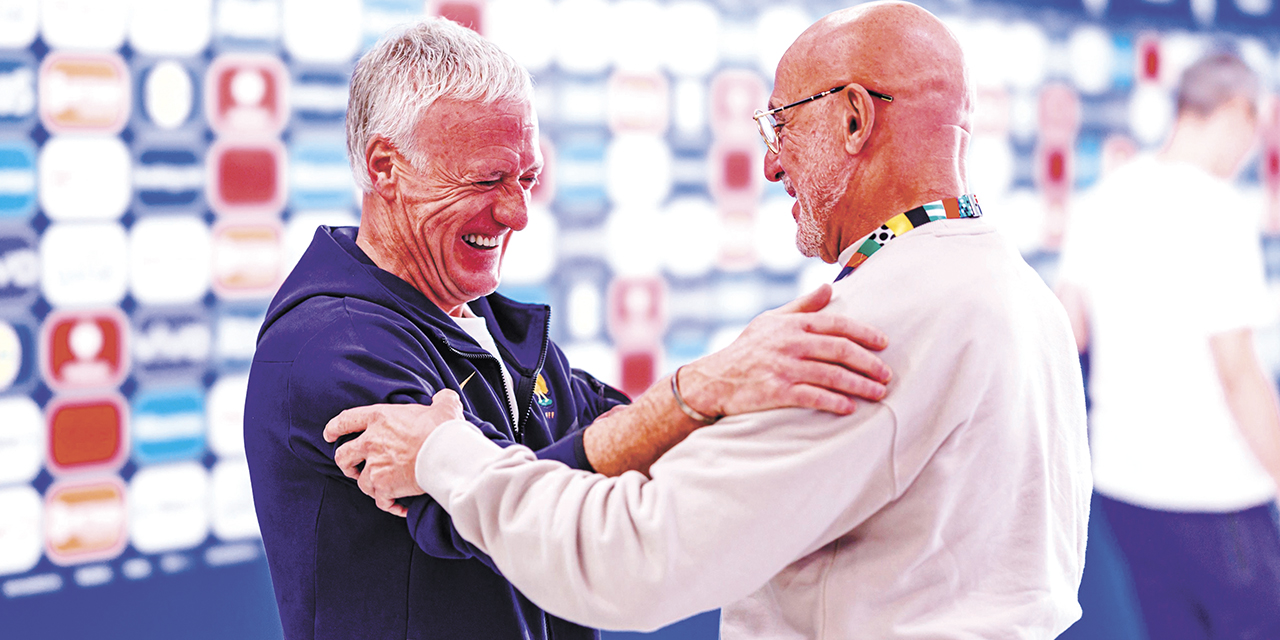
955, 508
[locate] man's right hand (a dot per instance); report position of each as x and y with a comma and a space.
794, 356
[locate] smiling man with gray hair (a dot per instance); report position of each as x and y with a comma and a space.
444, 143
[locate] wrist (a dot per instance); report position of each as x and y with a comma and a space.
690, 401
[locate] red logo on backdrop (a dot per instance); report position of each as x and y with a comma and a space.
85, 521
735, 96
467, 14
247, 176
87, 434
1148, 62
735, 171
246, 94
84, 92
637, 317
84, 349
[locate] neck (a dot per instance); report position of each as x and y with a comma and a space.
906, 170
375, 234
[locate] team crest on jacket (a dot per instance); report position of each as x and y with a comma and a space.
540, 392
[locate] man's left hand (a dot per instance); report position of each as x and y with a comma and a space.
393, 434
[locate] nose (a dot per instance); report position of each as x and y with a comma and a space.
512, 208
772, 168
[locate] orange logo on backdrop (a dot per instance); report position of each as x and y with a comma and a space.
85, 522
84, 92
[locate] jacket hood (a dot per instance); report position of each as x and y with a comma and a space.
334, 266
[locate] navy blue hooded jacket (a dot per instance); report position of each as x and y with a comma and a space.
342, 333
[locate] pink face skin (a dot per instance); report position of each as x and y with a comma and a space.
808, 163
444, 226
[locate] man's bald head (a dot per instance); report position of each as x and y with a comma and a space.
894, 47
870, 159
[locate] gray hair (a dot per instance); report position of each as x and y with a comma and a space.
1214, 80
408, 70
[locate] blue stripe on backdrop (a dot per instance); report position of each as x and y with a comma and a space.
234, 601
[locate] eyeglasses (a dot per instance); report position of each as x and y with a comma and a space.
769, 126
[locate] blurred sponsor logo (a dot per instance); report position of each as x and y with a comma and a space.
735, 172
320, 97
17, 91
168, 425
22, 440
15, 356
467, 13
20, 24
246, 94
233, 514
226, 415
638, 102
86, 434
168, 177
238, 334
320, 177
84, 178
21, 541
168, 507
247, 259
85, 349
169, 259
168, 94
381, 16
164, 27
169, 345
84, 92
246, 177
735, 96
84, 264
580, 176
85, 521
17, 178
248, 19
326, 31
19, 266
98, 25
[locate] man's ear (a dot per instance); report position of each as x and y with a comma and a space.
859, 116
380, 165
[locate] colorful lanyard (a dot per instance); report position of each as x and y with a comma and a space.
965, 206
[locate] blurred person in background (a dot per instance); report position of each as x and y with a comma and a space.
956, 507
443, 139
1162, 276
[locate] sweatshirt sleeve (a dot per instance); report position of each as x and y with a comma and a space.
344, 367
724, 512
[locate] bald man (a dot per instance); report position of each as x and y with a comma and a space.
954, 508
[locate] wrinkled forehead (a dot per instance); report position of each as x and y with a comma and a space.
797, 77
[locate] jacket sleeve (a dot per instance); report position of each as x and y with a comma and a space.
367, 359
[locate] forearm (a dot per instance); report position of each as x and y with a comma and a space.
720, 517
1250, 396
633, 437
1253, 404
604, 552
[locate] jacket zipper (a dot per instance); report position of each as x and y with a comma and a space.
502, 380
537, 369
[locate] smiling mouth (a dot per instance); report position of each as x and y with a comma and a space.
478, 241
